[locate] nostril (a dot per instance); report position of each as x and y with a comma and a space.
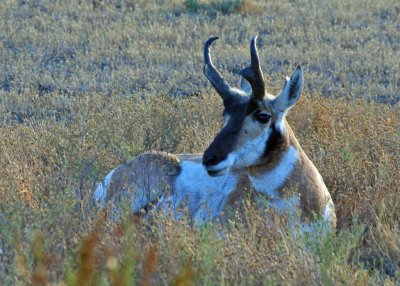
211, 160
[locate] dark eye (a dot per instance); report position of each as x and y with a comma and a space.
262, 117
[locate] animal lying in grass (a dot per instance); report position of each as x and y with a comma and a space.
255, 152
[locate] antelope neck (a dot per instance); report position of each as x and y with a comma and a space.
270, 181
280, 158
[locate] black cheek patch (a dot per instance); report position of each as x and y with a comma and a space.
274, 142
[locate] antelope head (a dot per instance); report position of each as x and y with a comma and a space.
254, 122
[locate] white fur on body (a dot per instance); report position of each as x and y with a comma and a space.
100, 194
205, 197
255, 153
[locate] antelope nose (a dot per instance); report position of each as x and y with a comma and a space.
210, 160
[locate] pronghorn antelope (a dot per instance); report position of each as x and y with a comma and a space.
255, 150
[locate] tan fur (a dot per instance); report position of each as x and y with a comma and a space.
250, 146
154, 172
250, 130
307, 180
190, 157
235, 202
304, 179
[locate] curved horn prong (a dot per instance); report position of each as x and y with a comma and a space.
253, 73
213, 75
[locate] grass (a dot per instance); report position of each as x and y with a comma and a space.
85, 86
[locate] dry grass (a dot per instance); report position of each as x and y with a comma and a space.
84, 86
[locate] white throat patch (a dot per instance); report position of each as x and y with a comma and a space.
270, 182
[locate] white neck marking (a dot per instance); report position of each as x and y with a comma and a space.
270, 182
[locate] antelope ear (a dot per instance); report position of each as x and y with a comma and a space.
245, 85
291, 92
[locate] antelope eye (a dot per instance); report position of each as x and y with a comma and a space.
262, 117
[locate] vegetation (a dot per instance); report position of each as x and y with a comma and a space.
86, 85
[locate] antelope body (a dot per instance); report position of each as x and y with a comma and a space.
256, 152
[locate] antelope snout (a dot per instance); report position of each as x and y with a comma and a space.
210, 159
216, 165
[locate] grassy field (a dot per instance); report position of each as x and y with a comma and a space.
87, 85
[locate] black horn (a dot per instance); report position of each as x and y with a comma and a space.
253, 73
221, 86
